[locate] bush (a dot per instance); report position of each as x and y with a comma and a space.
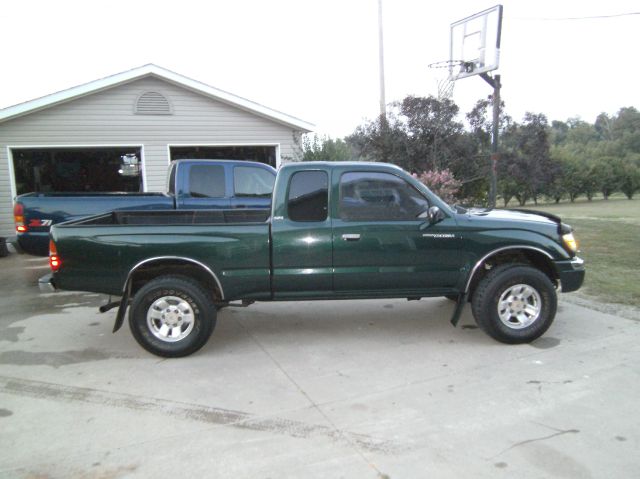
442, 183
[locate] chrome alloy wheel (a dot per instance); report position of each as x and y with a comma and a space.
519, 306
170, 318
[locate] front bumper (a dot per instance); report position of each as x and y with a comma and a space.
571, 274
46, 284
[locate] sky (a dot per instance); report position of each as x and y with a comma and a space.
318, 59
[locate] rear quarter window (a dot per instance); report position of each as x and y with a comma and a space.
308, 196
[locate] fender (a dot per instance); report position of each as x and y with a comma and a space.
126, 290
464, 296
499, 250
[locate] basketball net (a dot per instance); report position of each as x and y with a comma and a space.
447, 73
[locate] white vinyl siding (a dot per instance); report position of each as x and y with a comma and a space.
108, 118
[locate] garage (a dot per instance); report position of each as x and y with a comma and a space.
61, 170
120, 134
261, 153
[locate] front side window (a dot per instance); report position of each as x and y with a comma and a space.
372, 196
253, 181
308, 196
206, 181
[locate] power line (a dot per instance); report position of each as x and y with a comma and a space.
594, 17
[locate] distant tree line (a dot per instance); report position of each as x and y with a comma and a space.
538, 159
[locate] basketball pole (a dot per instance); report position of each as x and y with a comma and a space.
383, 103
495, 130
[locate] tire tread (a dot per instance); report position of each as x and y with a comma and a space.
207, 319
484, 312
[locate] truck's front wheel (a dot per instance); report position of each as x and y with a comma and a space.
515, 303
172, 316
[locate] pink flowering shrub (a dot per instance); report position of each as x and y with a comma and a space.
442, 183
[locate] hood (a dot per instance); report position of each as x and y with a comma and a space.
516, 215
523, 218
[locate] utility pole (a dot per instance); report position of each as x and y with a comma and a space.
383, 103
495, 130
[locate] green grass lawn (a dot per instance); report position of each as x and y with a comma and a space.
608, 234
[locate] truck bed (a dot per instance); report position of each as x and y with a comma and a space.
55, 207
100, 251
175, 217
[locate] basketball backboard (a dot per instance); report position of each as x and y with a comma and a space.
474, 46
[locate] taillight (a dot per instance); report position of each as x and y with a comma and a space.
18, 217
55, 262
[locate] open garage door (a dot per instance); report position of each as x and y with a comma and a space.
90, 169
262, 154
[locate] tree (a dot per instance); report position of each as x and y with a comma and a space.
604, 175
480, 120
565, 159
422, 134
572, 171
381, 140
626, 129
559, 132
325, 149
527, 160
433, 133
629, 176
604, 127
591, 182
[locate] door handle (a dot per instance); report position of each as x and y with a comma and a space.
351, 237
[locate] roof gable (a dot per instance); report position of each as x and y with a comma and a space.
153, 71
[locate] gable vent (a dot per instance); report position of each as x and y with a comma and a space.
152, 103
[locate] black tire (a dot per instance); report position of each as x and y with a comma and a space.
4, 251
172, 316
525, 289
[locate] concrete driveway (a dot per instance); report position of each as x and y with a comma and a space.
354, 389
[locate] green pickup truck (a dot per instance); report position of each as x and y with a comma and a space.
335, 231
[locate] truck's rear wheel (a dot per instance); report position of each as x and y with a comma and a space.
515, 303
172, 316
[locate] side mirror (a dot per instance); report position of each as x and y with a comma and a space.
435, 215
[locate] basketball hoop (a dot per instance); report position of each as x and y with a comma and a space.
474, 49
446, 81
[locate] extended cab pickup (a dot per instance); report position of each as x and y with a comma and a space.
335, 231
191, 184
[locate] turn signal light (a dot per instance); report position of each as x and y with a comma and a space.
570, 242
18, 218
55, 262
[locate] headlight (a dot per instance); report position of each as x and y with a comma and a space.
570, 242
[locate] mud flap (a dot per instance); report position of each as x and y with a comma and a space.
122, 309
462, 300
